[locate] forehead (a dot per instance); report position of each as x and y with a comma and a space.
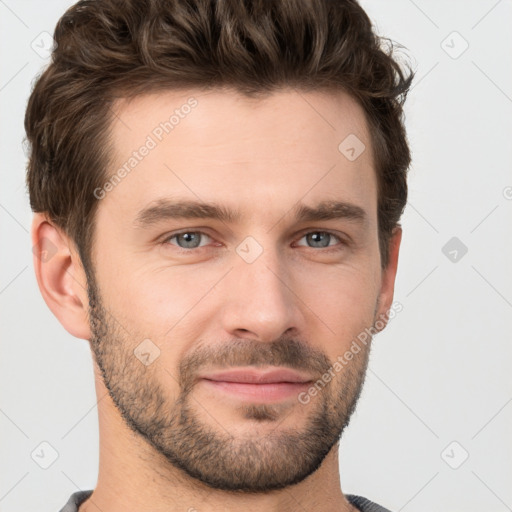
249, 152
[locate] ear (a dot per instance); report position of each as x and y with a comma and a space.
387, 290
60, 276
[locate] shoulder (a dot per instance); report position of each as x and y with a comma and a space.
364, 504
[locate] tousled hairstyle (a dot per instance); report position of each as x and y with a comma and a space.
106, 50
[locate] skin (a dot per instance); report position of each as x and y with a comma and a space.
168, 441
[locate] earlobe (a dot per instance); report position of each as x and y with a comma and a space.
388, 279
60, 276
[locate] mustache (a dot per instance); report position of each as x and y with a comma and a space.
248, 352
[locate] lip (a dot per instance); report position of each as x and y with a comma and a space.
253, 376
257, 385
272, 392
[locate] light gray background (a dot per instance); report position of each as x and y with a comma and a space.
439, 373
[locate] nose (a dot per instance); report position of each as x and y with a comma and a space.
259, 299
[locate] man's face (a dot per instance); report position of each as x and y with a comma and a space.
262, 290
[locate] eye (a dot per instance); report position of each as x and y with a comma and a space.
187, 239
321, 239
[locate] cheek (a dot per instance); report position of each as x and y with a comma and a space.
341, 303
339, 289
159, 301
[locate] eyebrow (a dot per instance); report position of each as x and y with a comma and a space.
166, 209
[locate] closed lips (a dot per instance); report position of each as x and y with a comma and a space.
251, 376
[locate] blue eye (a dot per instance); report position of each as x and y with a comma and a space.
190, 239
322, 238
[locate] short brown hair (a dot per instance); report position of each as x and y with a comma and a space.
111, 49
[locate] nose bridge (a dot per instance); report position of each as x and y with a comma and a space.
262, 270
260, 298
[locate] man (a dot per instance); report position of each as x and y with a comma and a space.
217, 186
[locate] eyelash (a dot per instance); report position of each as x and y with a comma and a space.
327, 249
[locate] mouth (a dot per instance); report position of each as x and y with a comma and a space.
256, 385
